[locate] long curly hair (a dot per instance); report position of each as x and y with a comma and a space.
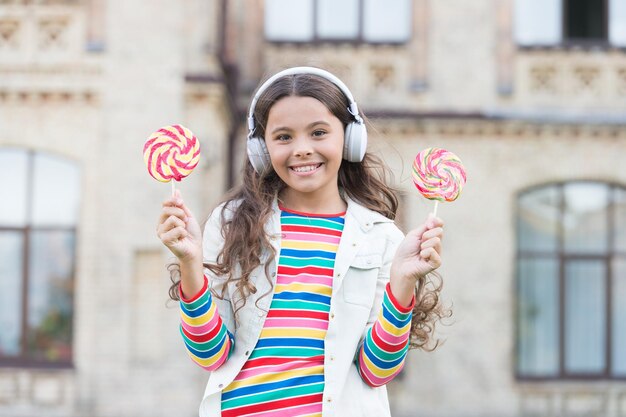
245, 238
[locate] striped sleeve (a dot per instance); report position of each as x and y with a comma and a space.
381, 356
208, 341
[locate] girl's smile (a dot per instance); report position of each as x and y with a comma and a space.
304, 170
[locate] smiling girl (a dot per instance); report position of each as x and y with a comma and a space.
301, 296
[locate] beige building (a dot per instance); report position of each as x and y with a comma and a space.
530, 94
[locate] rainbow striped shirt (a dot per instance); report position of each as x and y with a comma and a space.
284, 374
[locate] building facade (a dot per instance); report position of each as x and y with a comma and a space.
530, 94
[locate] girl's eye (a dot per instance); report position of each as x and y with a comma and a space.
319, 133
282, 138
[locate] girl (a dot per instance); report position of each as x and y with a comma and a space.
302, 296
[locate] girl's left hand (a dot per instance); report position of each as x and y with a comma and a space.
419, 253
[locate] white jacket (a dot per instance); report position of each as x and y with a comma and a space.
362, 265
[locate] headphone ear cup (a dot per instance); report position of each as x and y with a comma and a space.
355, 142
257, 154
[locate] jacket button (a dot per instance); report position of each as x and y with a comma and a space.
220, 386
332, 358
329, 400
260, 314
332, 315
247, 352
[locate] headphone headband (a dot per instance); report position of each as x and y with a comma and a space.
352, 107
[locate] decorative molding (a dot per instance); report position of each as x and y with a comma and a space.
621, 404
41, 2
48, 389
51, 388
9, 33
45, 97
9, 388
586, 76
62, 69
570, 79
204, 79
33, 32
587, 404
67, 83
52, 33
383, 77
491, 128
537, 404
378, 74
572, 401
543, 79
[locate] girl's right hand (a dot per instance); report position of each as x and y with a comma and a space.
179, 230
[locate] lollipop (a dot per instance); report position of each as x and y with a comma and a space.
171, 153
438, 175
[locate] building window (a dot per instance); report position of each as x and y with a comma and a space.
371, 21
37, 257
571, 281
579, 22
585, 20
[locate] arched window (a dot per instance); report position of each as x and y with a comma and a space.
571, 281
38, 218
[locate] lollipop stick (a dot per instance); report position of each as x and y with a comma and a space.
435, 210
173, 188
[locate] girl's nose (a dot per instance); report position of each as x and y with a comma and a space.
304, 152
303, 148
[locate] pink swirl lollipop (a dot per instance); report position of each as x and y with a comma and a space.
438, 174
171, 153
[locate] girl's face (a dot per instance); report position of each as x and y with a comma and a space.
305, 143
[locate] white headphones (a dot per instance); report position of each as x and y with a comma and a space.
355, 135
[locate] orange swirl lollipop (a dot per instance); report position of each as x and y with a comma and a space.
438, 175
171, 153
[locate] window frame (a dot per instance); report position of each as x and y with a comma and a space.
26, 231
584, 44
562, 258
316, 40
566, 40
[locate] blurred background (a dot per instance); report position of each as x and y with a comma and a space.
531, 94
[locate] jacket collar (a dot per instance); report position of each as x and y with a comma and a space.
365, 217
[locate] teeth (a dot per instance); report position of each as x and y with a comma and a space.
307, 168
